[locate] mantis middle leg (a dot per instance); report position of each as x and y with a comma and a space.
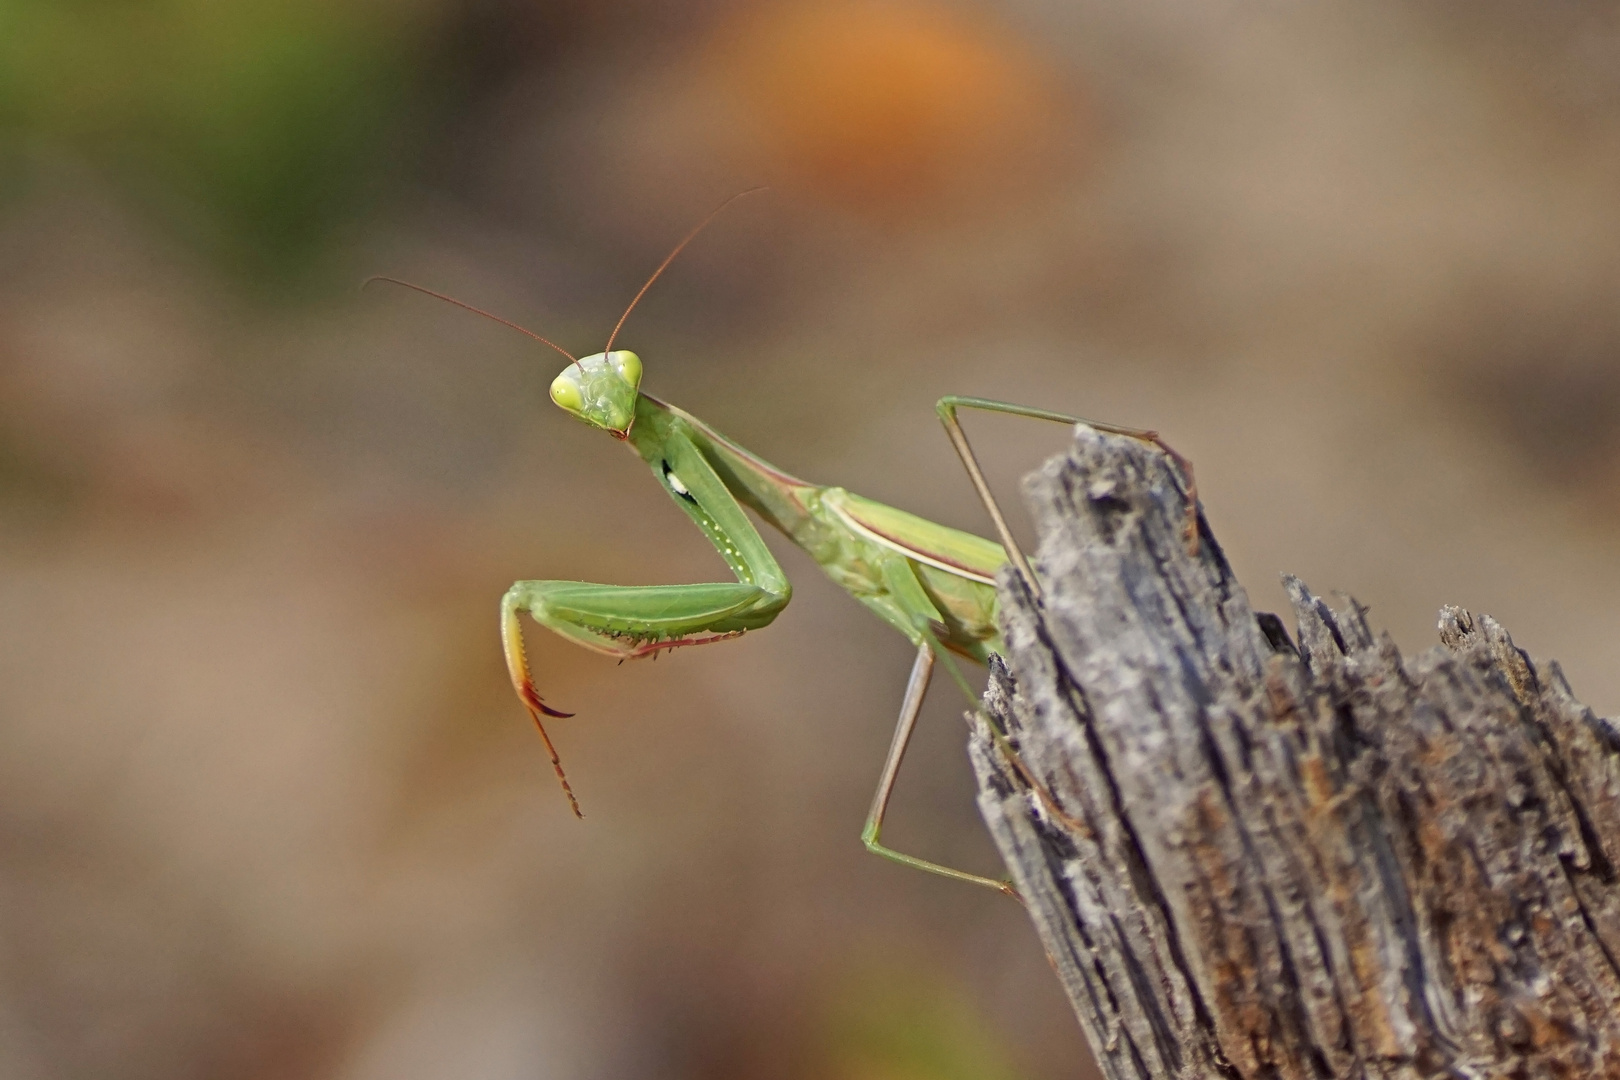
947, 407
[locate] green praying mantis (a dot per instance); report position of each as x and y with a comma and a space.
935, 585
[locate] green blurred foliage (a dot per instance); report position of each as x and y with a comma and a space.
902, 1023
251, 128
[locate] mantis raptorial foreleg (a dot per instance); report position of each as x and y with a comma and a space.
638, 620
517, 665
625, 621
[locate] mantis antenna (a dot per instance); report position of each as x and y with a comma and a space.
616, 326
475, 311
671, 258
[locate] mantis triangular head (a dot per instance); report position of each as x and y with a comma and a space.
601, 390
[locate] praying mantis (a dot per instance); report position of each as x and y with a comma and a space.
935, 585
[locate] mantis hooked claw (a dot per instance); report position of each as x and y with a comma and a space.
936, 585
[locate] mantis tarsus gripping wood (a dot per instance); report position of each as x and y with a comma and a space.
934, 584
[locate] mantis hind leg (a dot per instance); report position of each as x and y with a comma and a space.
916, 689
947, 407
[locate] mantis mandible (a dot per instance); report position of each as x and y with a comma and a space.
934, 584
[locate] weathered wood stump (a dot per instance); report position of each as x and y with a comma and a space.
1247, 858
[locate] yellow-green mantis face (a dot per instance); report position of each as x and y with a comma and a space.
601, 390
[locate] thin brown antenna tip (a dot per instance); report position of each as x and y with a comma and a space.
671, 258
468, 307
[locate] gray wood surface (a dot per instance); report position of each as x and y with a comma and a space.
1251, 858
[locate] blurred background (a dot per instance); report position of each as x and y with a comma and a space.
267, 806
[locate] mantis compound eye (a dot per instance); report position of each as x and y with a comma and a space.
565, 392
628, 365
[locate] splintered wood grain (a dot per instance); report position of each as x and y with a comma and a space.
1248, 857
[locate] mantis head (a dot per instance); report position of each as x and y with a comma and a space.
601, 390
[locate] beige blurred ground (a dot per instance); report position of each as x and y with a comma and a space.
267, 808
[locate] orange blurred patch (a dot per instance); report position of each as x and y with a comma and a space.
889, 107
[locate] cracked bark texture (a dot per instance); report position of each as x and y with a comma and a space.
1251, 858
